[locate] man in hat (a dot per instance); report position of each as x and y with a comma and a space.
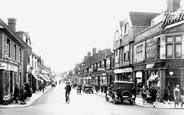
177, 96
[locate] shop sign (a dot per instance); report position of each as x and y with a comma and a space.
125, 70
173, 19
148, 66
170, 64
151, 46
3, 66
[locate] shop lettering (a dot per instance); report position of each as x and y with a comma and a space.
171, 18
173, 64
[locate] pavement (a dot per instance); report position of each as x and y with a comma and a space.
138, 102
161, 105
34, 97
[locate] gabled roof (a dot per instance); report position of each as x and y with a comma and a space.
142, 18
16, 37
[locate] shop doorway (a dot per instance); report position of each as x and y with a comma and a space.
171, 83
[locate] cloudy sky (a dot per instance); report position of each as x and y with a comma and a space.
64, 31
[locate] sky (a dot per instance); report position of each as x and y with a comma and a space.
64, 31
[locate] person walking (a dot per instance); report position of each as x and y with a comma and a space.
67, 91
167, 94
153, 94
16, 93
177, 96
28, 91
23, 95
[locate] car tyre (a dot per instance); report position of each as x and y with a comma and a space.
114, 101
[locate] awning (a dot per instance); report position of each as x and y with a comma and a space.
37, 78
44, 78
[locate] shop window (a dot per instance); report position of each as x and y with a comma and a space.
174, 46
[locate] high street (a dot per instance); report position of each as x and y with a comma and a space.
53, 103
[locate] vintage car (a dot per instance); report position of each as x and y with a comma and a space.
87, 88
120, 91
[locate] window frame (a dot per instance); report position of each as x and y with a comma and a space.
173, 43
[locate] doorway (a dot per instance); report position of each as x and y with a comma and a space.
172, 82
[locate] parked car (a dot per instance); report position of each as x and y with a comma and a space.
120, 91
87, 88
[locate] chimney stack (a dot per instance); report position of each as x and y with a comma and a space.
89, 54
12, 24
94, 51
173, 5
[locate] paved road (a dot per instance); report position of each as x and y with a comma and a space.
52, 103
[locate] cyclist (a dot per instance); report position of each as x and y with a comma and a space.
67, 92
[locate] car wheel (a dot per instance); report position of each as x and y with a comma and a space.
106, 98
114, 101
131, 102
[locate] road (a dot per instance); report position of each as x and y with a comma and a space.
53, 103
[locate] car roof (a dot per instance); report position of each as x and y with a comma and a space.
123, 82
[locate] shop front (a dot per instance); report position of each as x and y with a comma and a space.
9, 77
166, 73
124, 74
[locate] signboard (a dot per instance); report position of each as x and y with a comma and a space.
173, 19
125, 70
151, 47
4, 65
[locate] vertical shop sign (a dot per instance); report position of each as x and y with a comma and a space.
151, 49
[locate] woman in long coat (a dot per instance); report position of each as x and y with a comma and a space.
16, 93
23, 95
28, 91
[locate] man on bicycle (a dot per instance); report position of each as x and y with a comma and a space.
67, 92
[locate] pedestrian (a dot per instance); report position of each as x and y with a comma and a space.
16, 93
28, 91
144, 94
23, 95
153, 94
167, 94
43, 87
177, 96
134, 90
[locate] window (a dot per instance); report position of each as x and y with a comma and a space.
126, 56
139, 51
8, 48
20, 55
126, 29
158, 48
15, 51
174, 46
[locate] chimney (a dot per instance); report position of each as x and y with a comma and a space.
12, 24
94, 51
89, 54
173, 5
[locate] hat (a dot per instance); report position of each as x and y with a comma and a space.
177, 86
